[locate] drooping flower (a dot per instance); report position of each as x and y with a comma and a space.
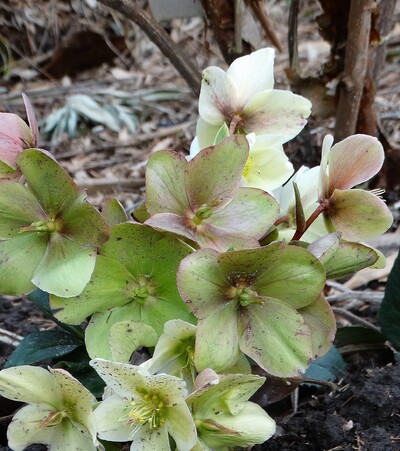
202, 199
16, 136
243, 99
356, 213
49, 234
134, 281
264, 302
223, 415
143, 408
58, 414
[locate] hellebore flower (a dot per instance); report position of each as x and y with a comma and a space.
174, 352
202, 199
59, 413
264, 302
223, 415
49, 234
357, 214
133, 285
143, 408
243, 99
16, 136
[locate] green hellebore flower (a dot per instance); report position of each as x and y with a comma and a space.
264, 302
223, 415
49, 234
143, 408
134, 280
58, 414
202, 199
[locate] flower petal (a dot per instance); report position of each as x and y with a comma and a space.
97, 333
15, 136
253, 73
146, 439
48, 181
213, 237
170, 222
250, 214
276, 337
359, 215
19, 258
353, 161
181, 427
322, 323
267, 167
217, 340
18, 208
77, 400
103, 293
165, 185
213, 176
83, 224
276, 112
31, 120
218, 99
30, 384
24, 431
251, 426
109, 419
206, 133
201, 283
127, 336
66, 267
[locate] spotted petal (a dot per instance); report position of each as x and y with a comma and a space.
218, 96
276, 112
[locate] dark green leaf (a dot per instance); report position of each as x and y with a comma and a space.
389, 313
43, 345
352, 335
327, 368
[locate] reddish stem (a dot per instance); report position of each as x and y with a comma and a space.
234, 123
321, 207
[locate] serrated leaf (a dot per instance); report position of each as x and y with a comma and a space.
43, 345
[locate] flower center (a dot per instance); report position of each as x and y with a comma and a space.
141, 288
52, 419
248, 167
203, 212
240, 291
51, 225
148, 410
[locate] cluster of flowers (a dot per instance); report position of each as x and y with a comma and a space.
225, 265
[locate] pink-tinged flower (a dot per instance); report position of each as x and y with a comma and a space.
243, 99
16, 136
358, 214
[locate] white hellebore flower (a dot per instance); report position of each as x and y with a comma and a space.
243, 99
58, 414
143, 408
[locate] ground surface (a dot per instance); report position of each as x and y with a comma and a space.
364, 412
